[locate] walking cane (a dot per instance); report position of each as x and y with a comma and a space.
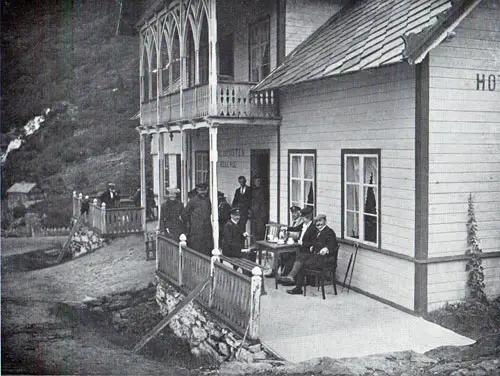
353, 263
347, 271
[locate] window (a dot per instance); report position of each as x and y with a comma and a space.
172, 162
204, 54
145, 77
361, 191
259, 50
226, 56
302, 172
201, 167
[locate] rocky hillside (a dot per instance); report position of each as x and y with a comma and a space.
65, 56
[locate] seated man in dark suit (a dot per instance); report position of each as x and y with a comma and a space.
323, 251
233, 239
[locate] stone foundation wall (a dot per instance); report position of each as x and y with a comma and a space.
205, 334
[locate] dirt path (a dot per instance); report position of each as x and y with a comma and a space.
40, 336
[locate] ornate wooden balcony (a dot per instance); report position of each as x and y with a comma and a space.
234, 100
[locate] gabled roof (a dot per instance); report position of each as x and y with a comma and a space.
22, 187
369, 34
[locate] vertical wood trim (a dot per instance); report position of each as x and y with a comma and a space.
184, 186
278, 182
142, 149
281, 32
213, 183
212, 55
421, 184
161, 172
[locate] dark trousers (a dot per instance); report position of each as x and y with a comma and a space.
308, 261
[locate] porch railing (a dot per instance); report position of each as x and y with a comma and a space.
233, 99
233, 297
109, 222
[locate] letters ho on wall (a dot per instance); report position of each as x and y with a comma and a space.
487, 82
228, 158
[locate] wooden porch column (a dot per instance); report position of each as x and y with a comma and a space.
142, 146
212, 56
184, 156
161, 172
213, 182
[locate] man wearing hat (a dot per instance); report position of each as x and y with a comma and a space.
306, 237
170, 215
111, 197
323, 251
224, 212
233, 240
197, 214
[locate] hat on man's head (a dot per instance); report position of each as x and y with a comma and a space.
173, 189
220, 194
235, 211
202, 187
294, 208
306, 211
111, 184
320, 216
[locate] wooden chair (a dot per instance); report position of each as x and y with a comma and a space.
321, 274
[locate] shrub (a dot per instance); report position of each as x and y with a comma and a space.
475, 279
18, 211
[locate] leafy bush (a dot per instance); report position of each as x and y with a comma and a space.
475, 280
55, 211
18, 211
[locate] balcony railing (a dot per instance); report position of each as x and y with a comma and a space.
233, 100
120, 221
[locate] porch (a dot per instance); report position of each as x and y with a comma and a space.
298, 328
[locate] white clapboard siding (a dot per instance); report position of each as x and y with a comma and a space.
363, 112
390, 278
303, 17
447, 281
246, 138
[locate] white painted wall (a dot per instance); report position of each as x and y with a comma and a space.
465, 134
464, 152
364, 110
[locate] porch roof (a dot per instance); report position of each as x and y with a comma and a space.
370, 34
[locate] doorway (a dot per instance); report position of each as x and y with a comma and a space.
260, 168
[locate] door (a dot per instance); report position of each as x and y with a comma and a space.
260, 169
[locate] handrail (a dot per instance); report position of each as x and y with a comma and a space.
234, 297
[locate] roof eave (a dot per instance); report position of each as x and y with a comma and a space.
419, 45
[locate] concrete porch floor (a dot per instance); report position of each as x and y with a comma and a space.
300, 328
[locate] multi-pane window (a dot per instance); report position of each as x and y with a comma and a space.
145, 77
259, 50
302, 179
361, 197
202, 167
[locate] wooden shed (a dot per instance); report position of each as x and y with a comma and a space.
24, 193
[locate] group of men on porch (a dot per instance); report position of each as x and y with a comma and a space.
318, 244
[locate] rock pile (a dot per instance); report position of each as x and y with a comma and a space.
205, 334
84, 241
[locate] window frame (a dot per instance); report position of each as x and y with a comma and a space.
361, 153
267, 28
302, 153
196, 165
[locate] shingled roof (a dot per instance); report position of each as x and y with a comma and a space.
22, 187
369, 34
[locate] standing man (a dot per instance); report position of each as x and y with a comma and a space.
260, 209
243, 200
111, 197
323, 252
170, 215
198, 214
224, 212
